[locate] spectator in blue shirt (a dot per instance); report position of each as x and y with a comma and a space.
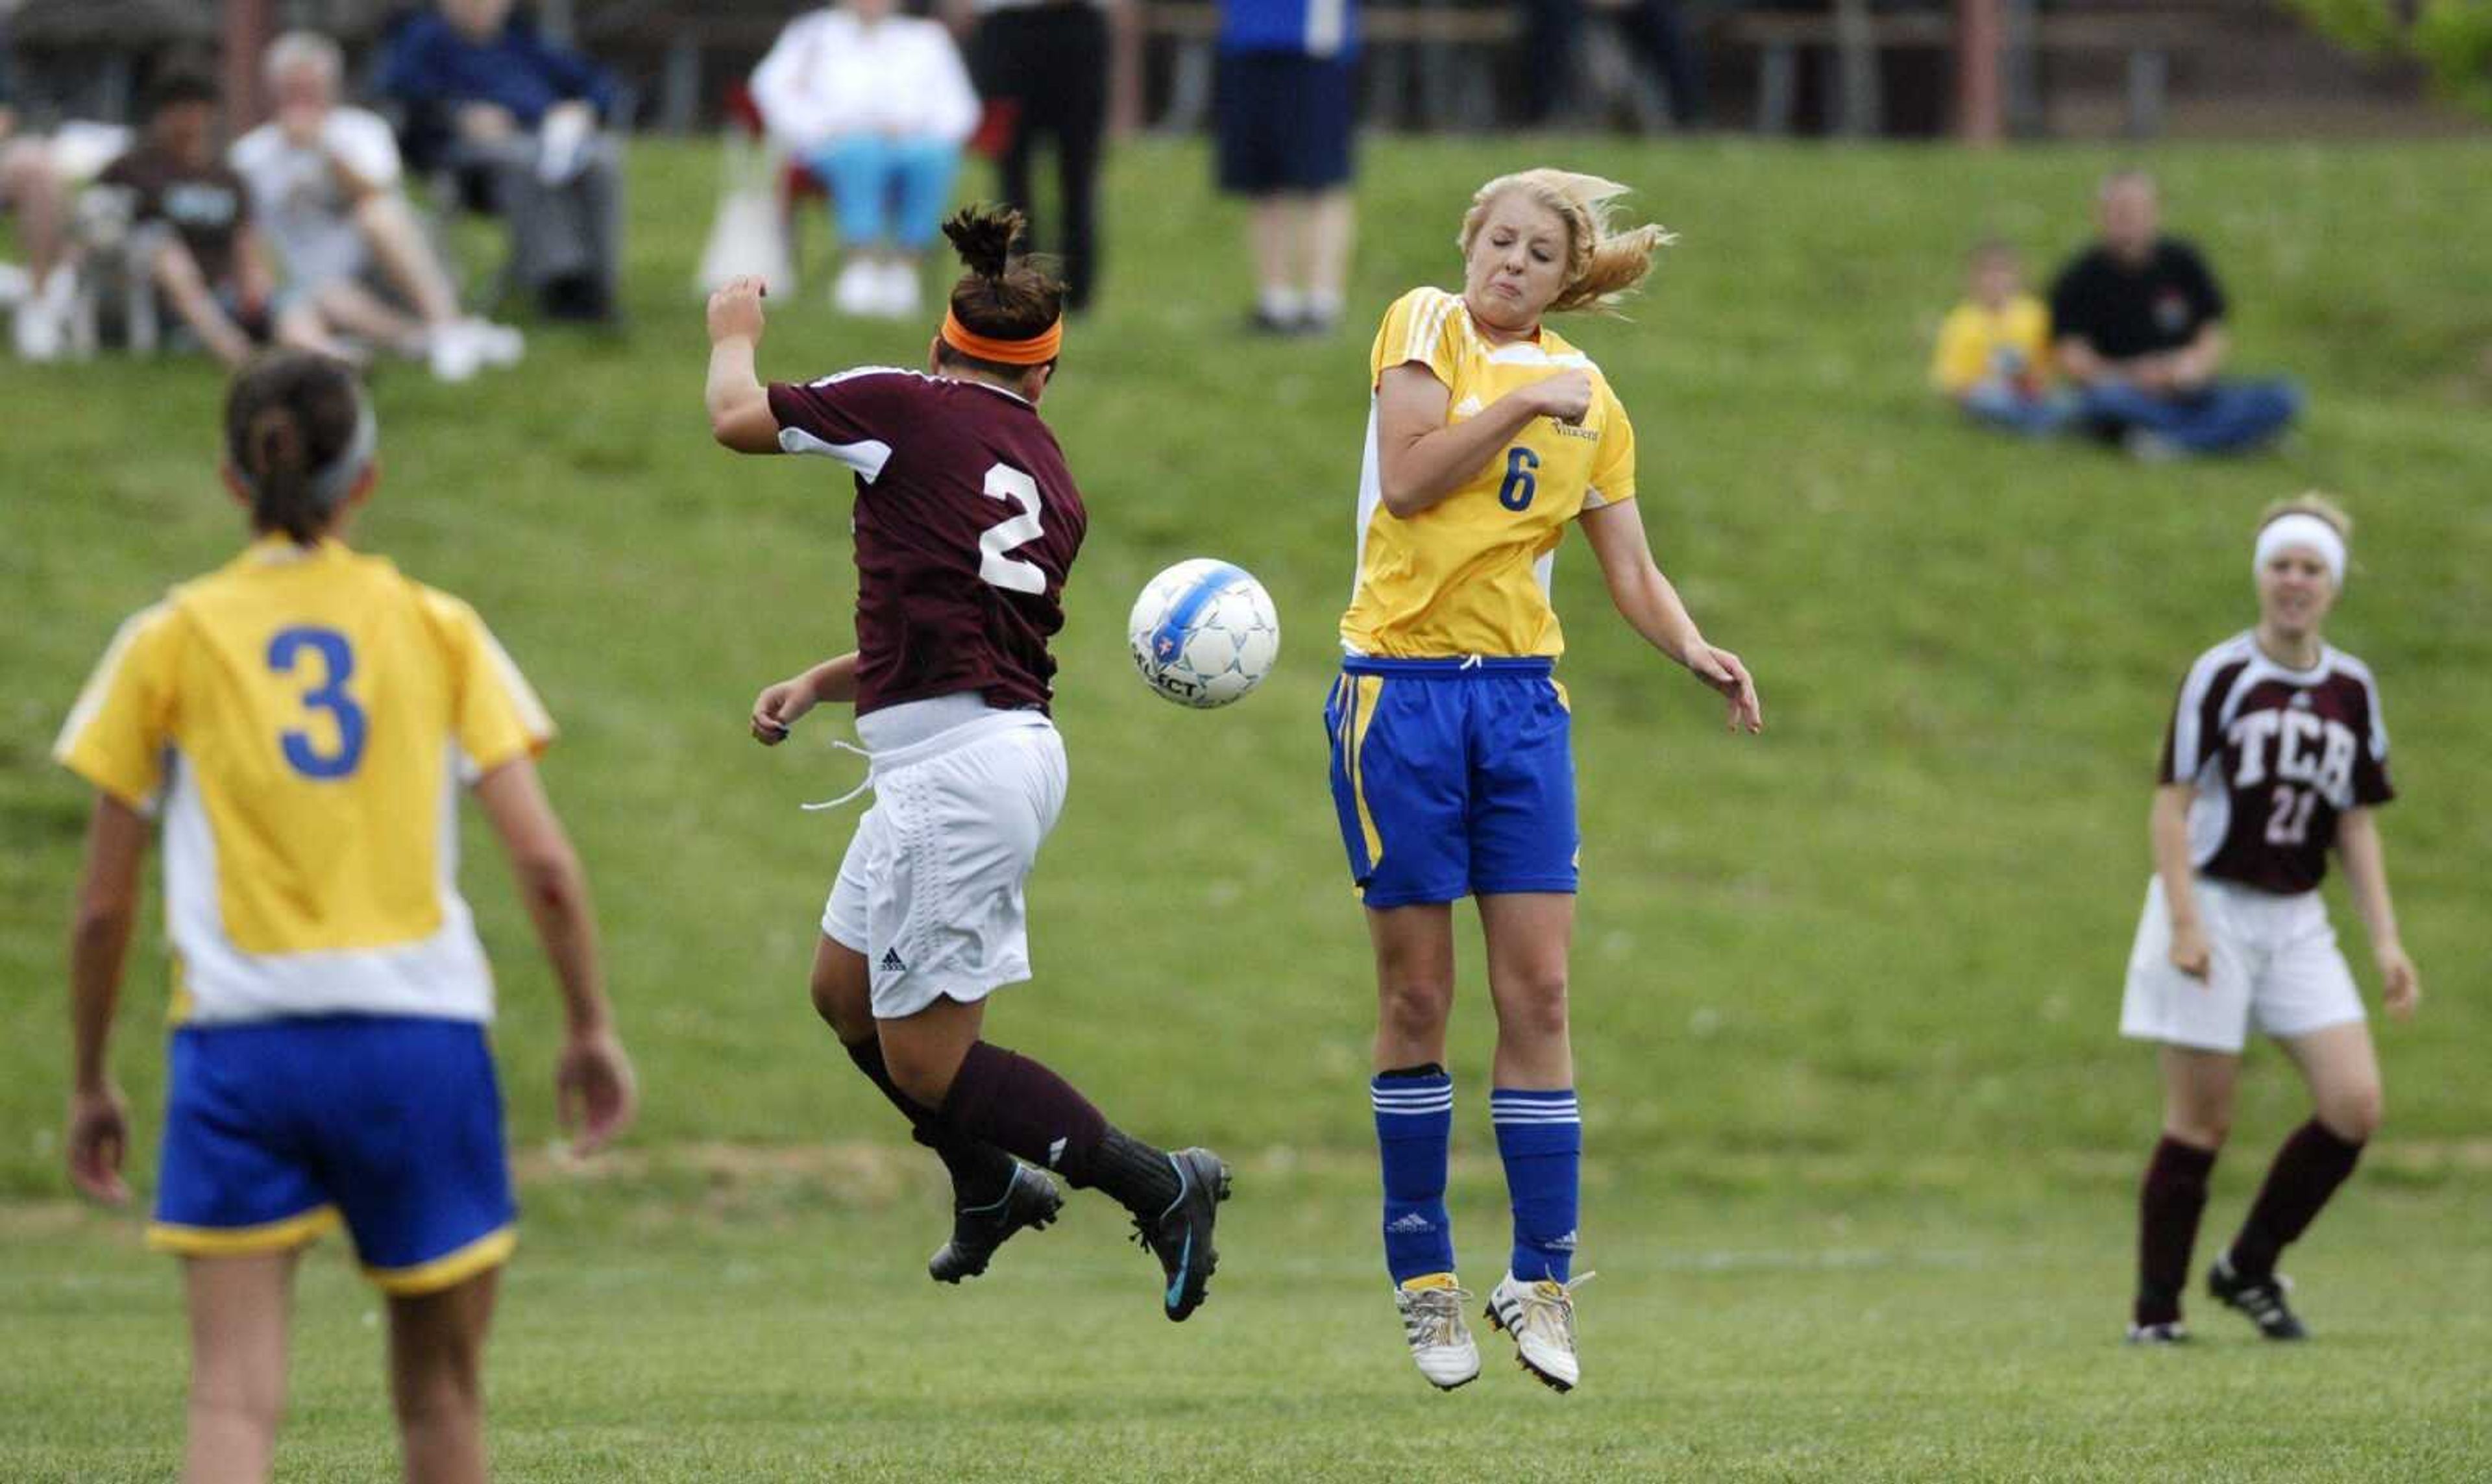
1285, 113
517, 118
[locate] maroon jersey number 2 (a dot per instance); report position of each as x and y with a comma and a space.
1010, 573
967, 521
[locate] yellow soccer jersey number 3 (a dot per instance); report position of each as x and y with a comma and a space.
323, 657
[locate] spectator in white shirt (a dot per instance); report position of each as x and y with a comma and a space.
324, 182
878, 105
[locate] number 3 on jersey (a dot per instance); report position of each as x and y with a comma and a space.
336, 661
1010, 573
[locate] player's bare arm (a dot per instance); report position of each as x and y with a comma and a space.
777, 709
107, 908
593, 1084
2168, 830
1650, 605
739, 405
1420, 460
2366, 871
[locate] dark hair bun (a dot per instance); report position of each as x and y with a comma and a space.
984, 236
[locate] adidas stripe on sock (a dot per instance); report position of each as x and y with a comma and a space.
1540, 1138
1415, 1120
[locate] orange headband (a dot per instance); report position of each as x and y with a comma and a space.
1037, 350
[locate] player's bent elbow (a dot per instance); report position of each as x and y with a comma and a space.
100, 924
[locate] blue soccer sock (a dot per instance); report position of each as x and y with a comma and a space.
1414, 1118
1540, 1138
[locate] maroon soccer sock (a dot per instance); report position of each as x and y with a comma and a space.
2306, 1172
2169, 1202
1011, 1101
980, 1172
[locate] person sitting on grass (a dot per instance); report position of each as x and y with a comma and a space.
1993, 350
2138, 322
324, 180
194, 234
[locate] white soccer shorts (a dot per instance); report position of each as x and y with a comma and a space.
931, 888
2272, 962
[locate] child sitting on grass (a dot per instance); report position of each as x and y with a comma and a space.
1992, 354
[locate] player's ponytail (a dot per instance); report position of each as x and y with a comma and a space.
1602, 261
1005, 297
299, 438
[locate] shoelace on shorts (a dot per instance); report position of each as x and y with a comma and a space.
852, 794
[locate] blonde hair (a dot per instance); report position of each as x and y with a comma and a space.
1602, 262
2311, 502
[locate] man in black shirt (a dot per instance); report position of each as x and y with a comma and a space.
2137, 321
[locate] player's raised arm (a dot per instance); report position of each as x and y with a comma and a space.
739, 405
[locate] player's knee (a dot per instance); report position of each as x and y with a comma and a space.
843, 1005
2352, 1113
924, 1074
1414, 1009
1534, 1005
2204, 1128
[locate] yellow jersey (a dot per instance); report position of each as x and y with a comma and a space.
1469, 576
301, 721
2011, 343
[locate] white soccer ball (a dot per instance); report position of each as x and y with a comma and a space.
1203, 632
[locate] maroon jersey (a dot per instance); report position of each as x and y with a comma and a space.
967, 521
2276, 756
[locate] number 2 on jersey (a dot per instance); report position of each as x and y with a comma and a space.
337, 662
1010, 573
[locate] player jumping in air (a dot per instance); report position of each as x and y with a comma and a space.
1451, 765
298, 717
2275, 752
966, 520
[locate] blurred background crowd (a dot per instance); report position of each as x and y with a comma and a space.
182, 175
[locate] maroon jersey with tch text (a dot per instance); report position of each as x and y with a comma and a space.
2276, 756
967, 521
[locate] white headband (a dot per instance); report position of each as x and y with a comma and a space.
2300, 528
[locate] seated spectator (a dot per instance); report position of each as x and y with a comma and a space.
324, 184
34, 188
1994, 351
878, 106
191, 230
518, 119
2138, 321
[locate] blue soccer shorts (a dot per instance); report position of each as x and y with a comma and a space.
277, 1130
1452, 778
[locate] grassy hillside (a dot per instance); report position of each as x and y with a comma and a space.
1893, 925
1862, 969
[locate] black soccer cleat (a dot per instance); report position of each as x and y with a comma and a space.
1181, 1236
2261, 1299
1031, 1201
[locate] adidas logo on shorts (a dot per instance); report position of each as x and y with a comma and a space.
891, 962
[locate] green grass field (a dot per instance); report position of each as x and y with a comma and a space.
1862, 1140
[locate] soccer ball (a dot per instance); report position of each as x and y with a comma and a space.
1203, 632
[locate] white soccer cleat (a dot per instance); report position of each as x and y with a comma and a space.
1432, 1321
1541, 1318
